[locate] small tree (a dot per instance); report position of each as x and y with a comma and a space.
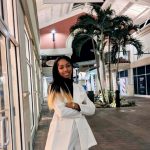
121, 36
102, 26
94, 26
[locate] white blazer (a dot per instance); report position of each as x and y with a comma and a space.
61, 125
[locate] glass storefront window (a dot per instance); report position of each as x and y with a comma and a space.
30, 79
148, 69
141, 70
5, 105
30, 97
135, 85
126, 73
148, 84
141, 85
142, 80
123, 74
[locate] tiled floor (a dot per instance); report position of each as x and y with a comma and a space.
125, 128
41, 134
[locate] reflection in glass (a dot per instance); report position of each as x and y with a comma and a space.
135, 85
141, 85
148, 69
141, 70
148, 84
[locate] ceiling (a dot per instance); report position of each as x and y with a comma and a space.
50, 11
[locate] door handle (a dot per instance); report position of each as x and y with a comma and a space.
4, 132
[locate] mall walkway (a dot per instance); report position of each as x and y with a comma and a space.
126, 128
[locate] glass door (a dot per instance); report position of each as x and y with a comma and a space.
6, 142
15, 84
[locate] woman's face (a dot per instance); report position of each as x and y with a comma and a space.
64, 68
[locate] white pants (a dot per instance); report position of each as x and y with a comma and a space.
75, 141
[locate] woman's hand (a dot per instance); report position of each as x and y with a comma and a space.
73, 106
70, 105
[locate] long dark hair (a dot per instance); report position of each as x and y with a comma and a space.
58, 81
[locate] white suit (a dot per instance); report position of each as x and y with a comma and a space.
66, 119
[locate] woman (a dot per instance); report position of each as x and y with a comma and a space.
69, 129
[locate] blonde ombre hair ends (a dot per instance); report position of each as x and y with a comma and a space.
52, 96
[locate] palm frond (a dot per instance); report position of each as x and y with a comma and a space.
137, 44
87, 24
87, 19
114, 51
122, 20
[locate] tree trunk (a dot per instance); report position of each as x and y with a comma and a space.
117, 92
97, 59
109, 72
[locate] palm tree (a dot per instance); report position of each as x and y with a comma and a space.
121, 36
103, 26
95, 26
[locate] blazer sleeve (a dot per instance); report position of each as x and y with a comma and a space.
87, 106
64, 112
